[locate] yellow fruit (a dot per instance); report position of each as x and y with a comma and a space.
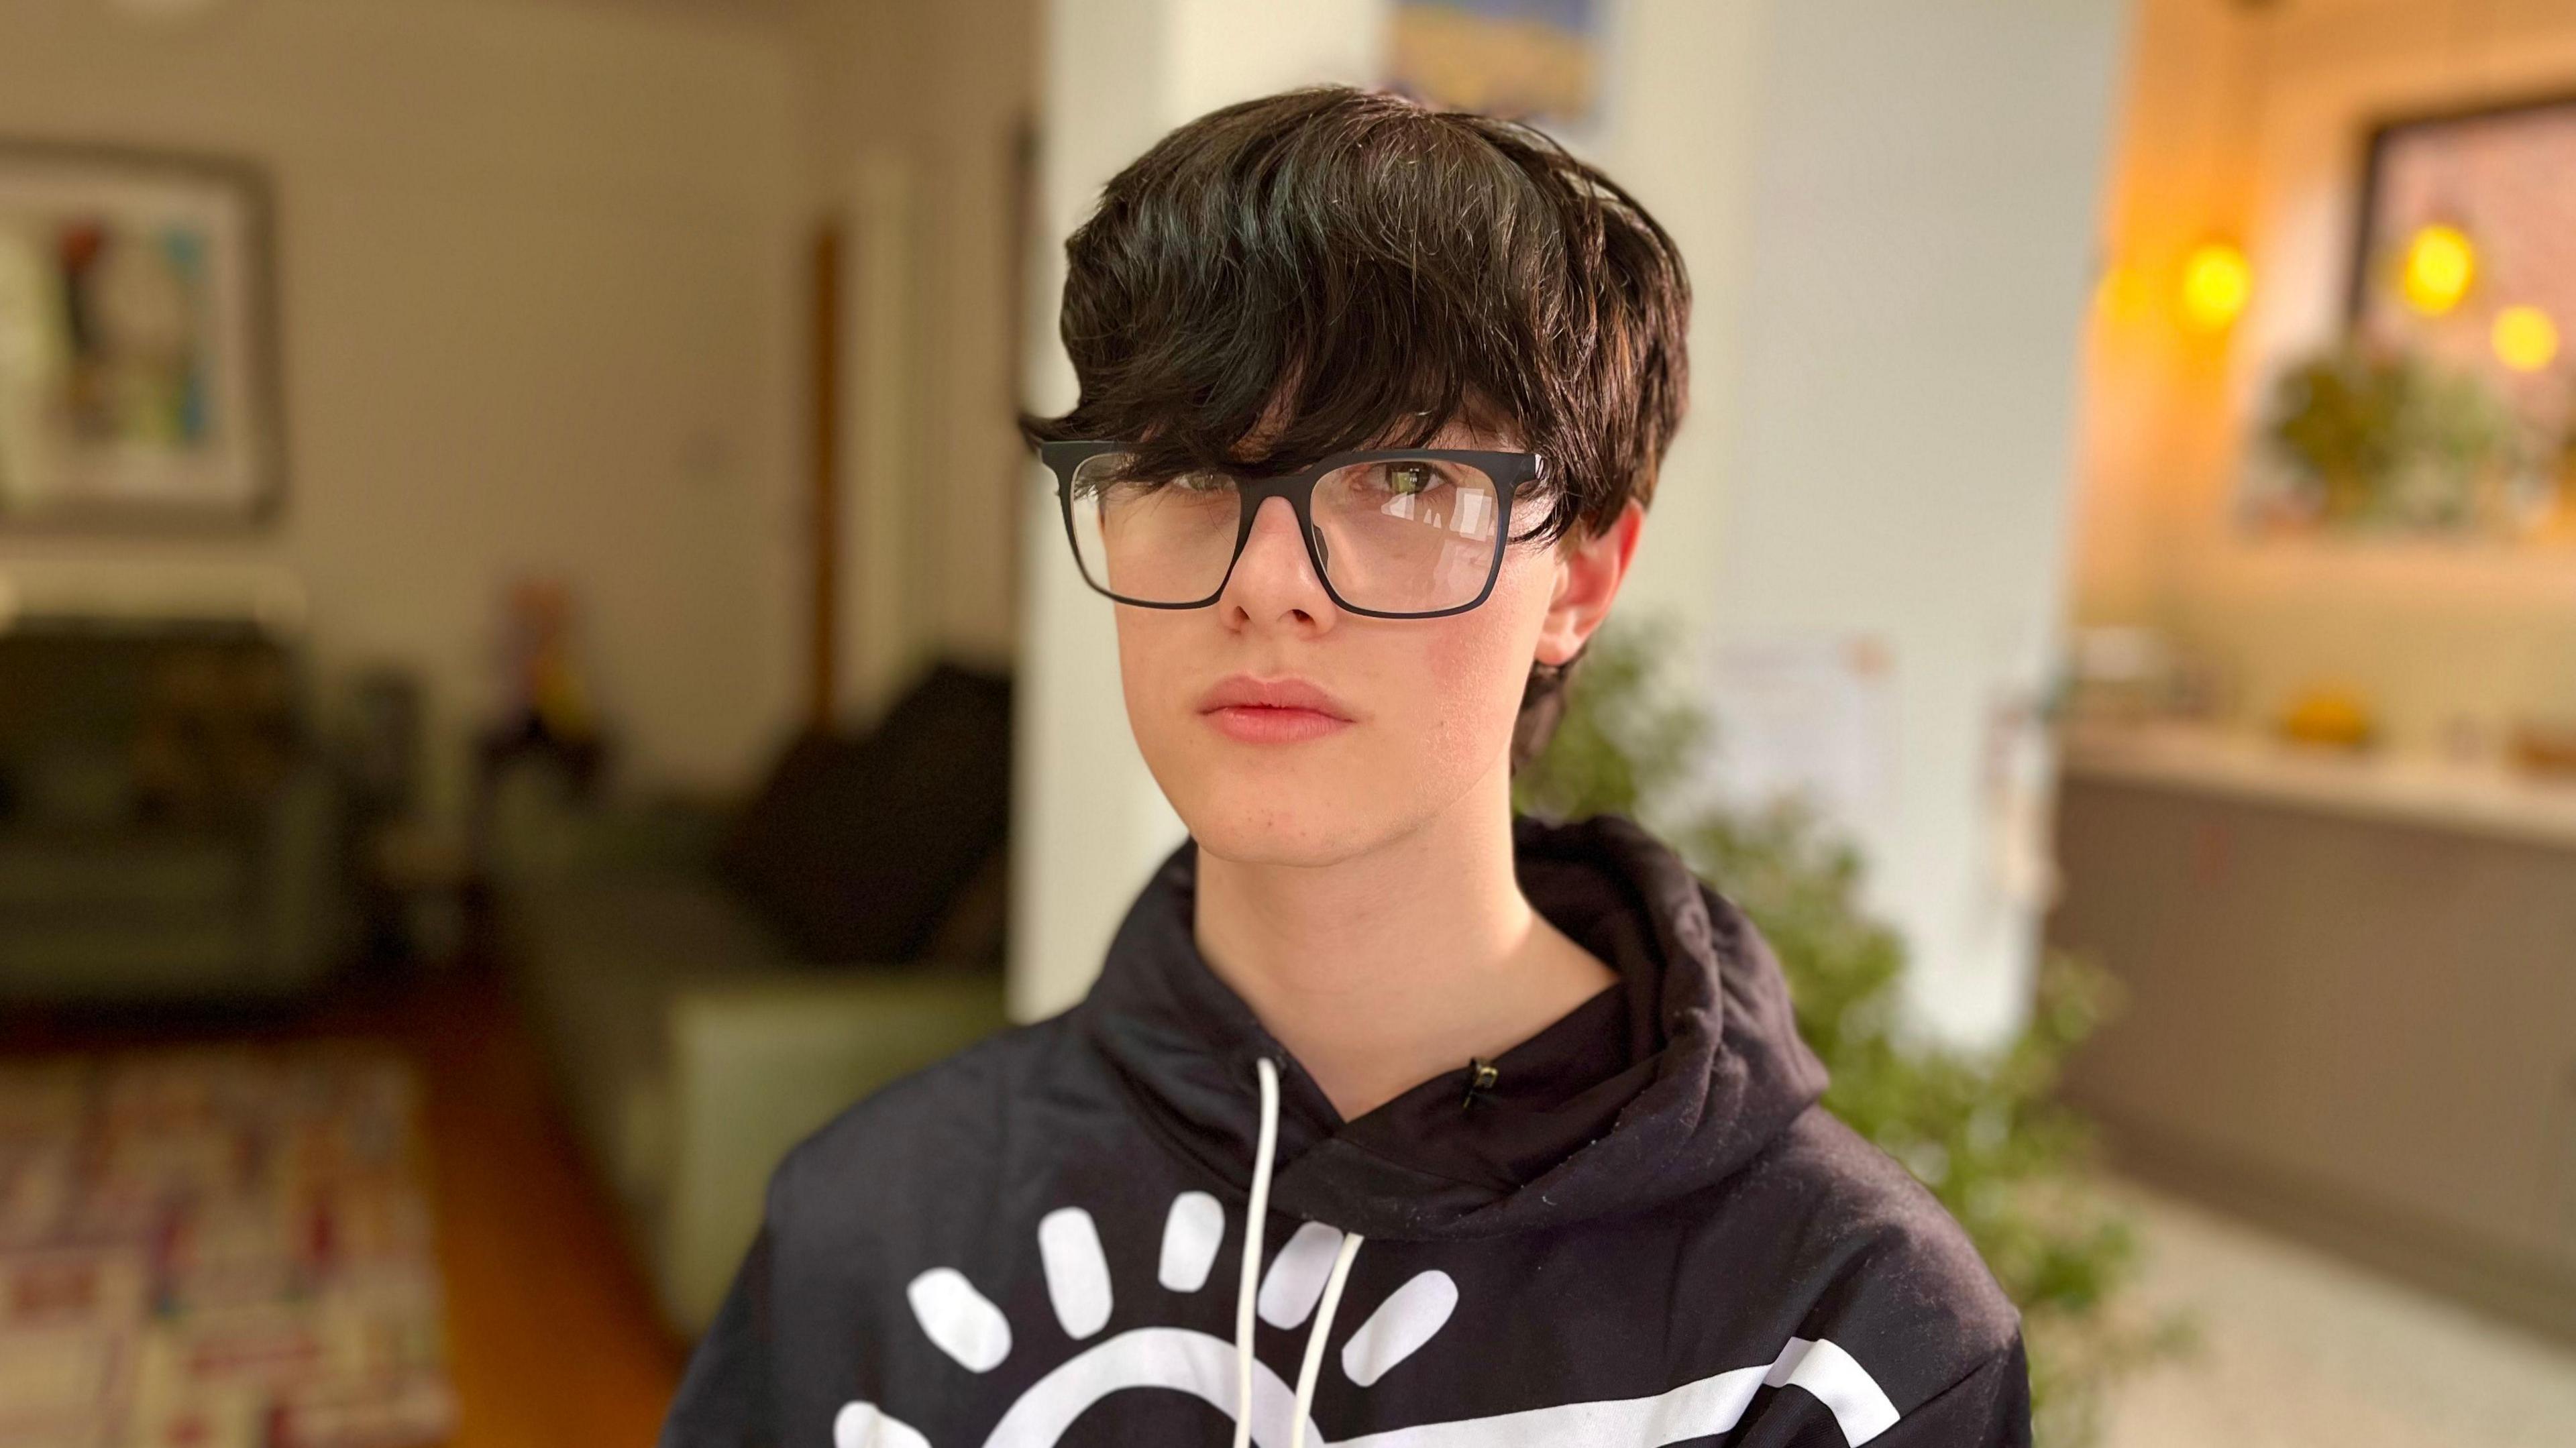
2338, 717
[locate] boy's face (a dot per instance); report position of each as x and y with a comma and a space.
1420, 711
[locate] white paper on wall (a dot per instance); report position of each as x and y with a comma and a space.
1810, 718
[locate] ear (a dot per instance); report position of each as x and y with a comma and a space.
1589, 571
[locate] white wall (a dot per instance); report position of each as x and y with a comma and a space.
1686, 88
537, 266
1897, 414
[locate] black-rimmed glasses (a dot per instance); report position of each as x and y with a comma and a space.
1394, 533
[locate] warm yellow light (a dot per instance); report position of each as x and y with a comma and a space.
2525, 338
2440, 264
2125, 294
2216, 284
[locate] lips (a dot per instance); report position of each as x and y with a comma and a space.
1242, 691
1272, 711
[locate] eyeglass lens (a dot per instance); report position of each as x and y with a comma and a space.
1402, 535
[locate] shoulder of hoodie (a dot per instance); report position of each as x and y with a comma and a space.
1890, 1273
947, 1116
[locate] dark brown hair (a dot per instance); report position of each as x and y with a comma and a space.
1334, 268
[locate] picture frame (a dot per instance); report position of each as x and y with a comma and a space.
1544, 62
2445, 404
2375, 227
139, 377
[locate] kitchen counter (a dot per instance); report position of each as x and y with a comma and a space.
2487, 798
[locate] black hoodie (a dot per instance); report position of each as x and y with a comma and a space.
1637, 1229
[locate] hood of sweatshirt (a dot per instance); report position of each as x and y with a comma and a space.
1716, 1071
1141, 1222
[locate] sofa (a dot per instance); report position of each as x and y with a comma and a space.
712, 982
169, 829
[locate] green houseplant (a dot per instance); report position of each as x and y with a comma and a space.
1984, 1132
2385, 437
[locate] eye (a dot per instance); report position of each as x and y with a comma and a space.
1408, 476
1201, 482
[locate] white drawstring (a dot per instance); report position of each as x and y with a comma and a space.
1263, 1155
1315, 1339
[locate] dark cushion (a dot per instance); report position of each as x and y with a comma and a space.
166, 721
122, 874
856, 849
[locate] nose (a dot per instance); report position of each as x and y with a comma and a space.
1275, 579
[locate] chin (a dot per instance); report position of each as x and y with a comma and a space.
1279, 817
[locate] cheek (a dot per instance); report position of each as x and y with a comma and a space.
1152, 646
1474, 667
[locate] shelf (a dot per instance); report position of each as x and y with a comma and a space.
2400, 788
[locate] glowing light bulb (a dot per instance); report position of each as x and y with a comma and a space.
2525, 339
2440, 264
2216, 284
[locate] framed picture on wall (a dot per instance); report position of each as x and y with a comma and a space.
2451, 407
138, 374
1539, 61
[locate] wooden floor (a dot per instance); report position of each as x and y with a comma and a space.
552, 1335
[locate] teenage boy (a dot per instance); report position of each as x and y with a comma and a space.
1395, 1119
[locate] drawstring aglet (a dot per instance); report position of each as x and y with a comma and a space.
1482, 1075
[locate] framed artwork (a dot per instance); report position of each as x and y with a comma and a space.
2500, 179
138, 374
2448, 408
1539, 61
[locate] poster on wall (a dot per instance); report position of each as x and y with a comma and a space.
1538, 61
137, 381
1808, 718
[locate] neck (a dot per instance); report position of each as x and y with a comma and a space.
1387, 969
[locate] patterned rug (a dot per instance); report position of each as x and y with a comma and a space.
217, 1248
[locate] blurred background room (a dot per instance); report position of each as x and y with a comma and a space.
535, 668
